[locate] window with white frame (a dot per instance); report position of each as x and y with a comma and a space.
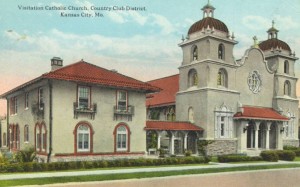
122, 100
223, 122
41, 99
121, 138
83, 97
83, 138
26, 100
289, 126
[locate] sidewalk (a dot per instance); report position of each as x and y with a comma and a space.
133, 170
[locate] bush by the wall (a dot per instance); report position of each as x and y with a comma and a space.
293, 148
59, 166
237, 158
287, 155
270, 156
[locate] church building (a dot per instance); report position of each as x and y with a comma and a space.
244, 105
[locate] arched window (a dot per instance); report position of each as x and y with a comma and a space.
83, 138
37, 138
191, 114
287, 88
192, 78
222, 78
221, 52
286, 67
122, 138
26, 133
194, 53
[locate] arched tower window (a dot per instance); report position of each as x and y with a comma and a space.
286, 67
222, 78
192, 78
287, 88
194, 53
221, 52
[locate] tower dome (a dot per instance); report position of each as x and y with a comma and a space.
208, 21
273, 42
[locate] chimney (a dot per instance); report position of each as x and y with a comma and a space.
56, 63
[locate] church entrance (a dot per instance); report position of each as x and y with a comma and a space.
273, 136
262, 135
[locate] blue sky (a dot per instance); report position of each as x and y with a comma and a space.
141, 44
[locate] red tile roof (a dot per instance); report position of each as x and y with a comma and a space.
169, 87
249, 112
171, 125
208, 21
88, 73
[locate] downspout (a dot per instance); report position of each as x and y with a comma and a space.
50, 120
7, 124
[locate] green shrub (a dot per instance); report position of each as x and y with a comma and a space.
287, 155
26, 155
270, 156
237, 158
288, 147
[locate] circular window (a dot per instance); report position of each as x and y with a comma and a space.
254, 81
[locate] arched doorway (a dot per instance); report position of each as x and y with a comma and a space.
251, 135
151, 139
273, 136
192, 142
262, 135
178, 142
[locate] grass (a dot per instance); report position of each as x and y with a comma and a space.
297, 158
52, 180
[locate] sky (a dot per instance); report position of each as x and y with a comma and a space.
142, 43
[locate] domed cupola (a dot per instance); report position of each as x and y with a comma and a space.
208, 21
273, 43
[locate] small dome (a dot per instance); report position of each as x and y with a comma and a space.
274, 43
208, 21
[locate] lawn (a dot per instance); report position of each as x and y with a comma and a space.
53, 180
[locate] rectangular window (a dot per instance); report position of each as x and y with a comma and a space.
26, 100
122, 100
222, 126
121, 142
83, 141
41, 99
13, 105
83, 97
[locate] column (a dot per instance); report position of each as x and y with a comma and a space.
268, 135
158, 139
185, 141
256, 135
171, 148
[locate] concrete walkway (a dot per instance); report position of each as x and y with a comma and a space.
133, 170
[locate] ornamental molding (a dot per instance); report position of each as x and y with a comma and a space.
254, 81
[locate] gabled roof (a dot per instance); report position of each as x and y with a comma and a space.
169, 87
84, 72
171, 125
250, 112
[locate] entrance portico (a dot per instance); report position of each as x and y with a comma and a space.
174, 137
259, 129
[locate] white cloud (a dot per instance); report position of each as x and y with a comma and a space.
256, 22
285, 23
166, 26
